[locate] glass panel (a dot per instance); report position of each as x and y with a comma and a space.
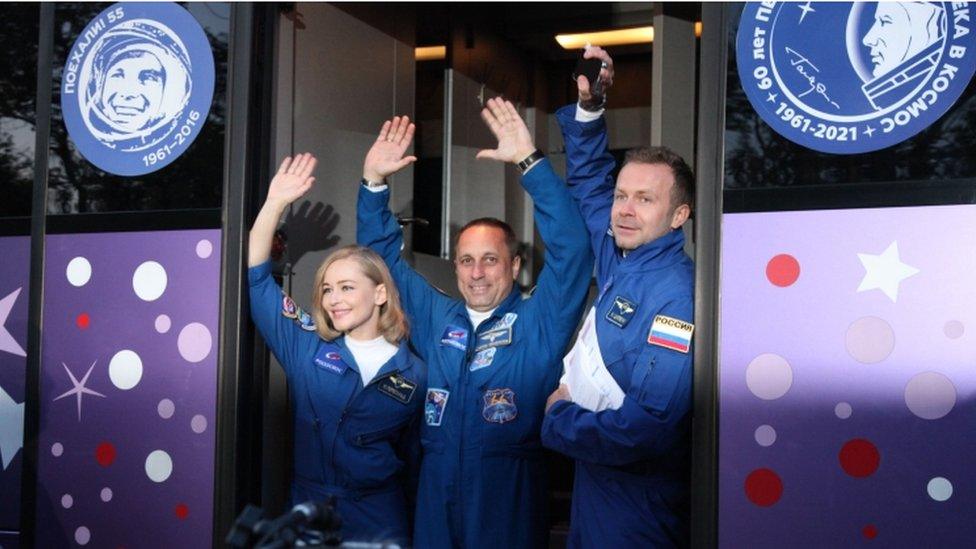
18, 83
934, 166
475, 188
18, 89
428, 172
193, 180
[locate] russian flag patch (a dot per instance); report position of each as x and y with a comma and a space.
671, 333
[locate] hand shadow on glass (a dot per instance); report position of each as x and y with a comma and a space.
310, 229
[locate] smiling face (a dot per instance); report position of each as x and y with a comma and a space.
484, 267
642, 210
133, 90
352, 300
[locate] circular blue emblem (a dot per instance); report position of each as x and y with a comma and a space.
137, 86
853, 77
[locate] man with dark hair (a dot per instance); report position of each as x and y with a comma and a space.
623, 411
493, 357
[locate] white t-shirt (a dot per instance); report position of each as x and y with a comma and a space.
478, 317
370, 355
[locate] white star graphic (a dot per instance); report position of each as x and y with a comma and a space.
806, 9
771, 98
79, 387
869, 131
885, 272
7, 341
11, 428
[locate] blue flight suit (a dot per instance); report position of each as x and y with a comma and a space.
633, 463
356, 443
483, 478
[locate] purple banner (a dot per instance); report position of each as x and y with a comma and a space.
128, 389
14, 294
848, 378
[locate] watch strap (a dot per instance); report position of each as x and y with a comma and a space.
530, 160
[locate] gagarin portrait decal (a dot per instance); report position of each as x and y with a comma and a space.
137, 87
853, 77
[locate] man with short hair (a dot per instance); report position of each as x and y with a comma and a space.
630, 436
493, 357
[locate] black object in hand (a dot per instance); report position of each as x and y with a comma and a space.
590, 68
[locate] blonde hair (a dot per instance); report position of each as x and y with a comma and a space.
393, 321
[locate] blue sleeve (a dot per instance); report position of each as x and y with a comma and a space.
565, 277
652, 421
589, 173
377, 229
283, 336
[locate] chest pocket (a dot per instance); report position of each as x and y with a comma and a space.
389, 434
656, 381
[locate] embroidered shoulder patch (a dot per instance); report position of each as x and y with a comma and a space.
499, 406
329, 359
671, 333
434, 406
288, 307
456, 337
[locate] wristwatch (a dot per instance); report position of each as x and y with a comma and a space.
373, 184
530, 161
594, 104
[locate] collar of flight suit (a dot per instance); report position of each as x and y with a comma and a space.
661, 252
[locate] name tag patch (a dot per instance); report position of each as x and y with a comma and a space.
483, 359
455, 337
499, 406
494, 337
398, 388
434, 406
671, 333
331, 361
621, 311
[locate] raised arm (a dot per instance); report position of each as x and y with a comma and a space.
377, 227
293, 180
274, 313
562, 285
589, 164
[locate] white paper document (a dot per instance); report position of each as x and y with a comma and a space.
584, 373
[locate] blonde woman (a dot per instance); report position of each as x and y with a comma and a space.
357, 390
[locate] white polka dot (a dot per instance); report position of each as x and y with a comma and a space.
194, 342
939, 489
57, 449
869, 339
67, 501
204, 249
166, 408
765, 435
79, 271
125, 369
769, 376
930, 395
198, 424
163, 324
843, 410
954, 329
149, 281
106, 494
82, 535
159, 466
